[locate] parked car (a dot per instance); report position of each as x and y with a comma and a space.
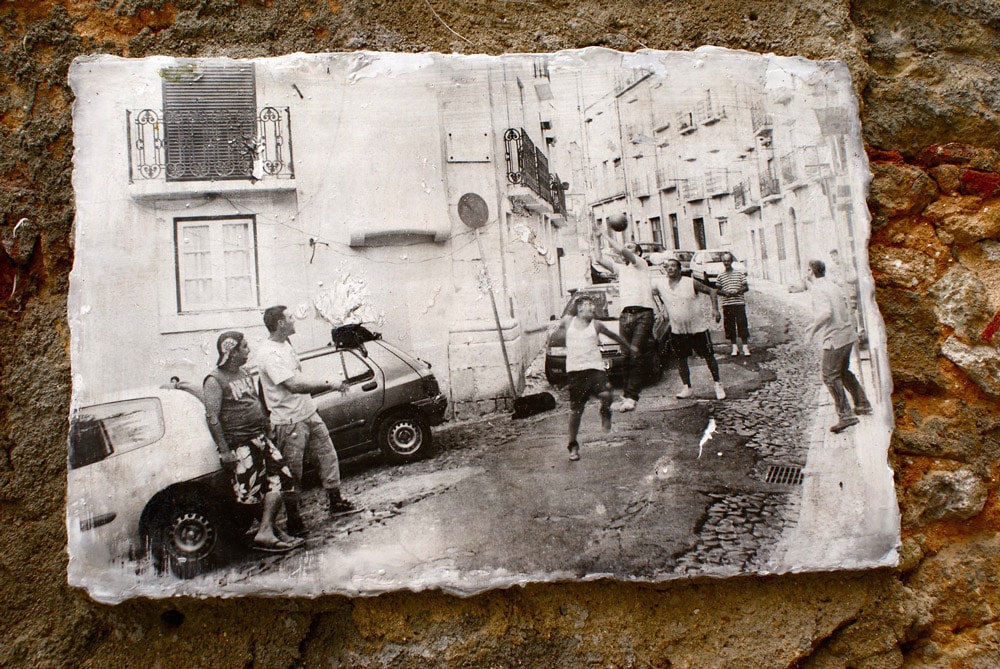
145, 476
607, 302
660, 258
706, 265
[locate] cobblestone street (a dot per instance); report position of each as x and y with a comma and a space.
741, 528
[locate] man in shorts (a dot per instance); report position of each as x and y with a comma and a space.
688, 328
239, 426
585, 368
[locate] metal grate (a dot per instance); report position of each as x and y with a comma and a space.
784, 475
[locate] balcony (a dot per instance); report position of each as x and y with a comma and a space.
692, 189
716, 182
762, 122
527, 166
664, 180
686, 123
708, 112
743, 199
209, 145
769, 186
558, 190
791, 171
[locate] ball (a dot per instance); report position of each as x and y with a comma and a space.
617, 222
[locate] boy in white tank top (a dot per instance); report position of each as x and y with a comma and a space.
585, 368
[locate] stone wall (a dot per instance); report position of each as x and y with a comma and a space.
928, 75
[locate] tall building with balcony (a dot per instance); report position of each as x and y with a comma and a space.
208, 190
725, 151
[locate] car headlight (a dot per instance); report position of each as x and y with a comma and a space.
557, 351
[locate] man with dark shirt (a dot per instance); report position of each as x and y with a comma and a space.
239, 427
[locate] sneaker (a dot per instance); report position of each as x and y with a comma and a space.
863, 411
686, 391
574, 451
606, 419
844, 423
628, 404
746, 350
720, 392
736, 351
342, 507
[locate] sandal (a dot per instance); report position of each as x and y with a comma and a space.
276, 547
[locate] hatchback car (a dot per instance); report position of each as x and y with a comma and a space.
144, 471
607, 303
706, 265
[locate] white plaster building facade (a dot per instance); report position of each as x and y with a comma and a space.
209, 190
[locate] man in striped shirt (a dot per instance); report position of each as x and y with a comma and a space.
732, 285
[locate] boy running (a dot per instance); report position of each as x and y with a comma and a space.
585, 368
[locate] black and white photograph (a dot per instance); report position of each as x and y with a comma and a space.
353, 323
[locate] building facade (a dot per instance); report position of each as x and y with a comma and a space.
208, 190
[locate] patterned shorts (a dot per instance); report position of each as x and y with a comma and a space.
259, 469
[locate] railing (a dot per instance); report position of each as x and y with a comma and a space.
209, 145
741, 195
527, 165
707, 111
558, 195
716, 182
664, 181
790, 172
761, 120
692, 189
769, 185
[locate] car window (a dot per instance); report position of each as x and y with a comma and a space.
716, 256
355, 368
683, 256
98, 431
338, 364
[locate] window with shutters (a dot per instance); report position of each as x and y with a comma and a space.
209, 121
216, 263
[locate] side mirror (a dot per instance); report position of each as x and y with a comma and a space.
552, 317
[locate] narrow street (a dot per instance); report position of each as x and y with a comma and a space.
678, 488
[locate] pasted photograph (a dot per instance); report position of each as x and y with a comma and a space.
361, 322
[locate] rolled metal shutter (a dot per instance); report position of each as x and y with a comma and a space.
210, 121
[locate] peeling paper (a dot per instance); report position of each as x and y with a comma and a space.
456, 206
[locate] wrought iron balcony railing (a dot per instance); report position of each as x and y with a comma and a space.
716, 182
741, 195
761, 120
527, 165
209, 145
769, 185
558, 190
692, 189
790, 171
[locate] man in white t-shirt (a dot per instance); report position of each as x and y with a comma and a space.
834, 323
294, 419
688, 326
635, 324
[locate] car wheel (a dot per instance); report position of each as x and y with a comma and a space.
186, 536
404, 437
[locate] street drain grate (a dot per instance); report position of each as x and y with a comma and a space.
784, 475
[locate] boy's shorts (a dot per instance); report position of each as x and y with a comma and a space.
584, 383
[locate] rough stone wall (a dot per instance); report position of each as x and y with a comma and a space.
927, 74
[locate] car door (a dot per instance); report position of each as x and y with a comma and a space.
349, 416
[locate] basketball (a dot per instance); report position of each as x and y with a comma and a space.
617, 222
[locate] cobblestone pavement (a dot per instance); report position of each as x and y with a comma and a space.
741, 528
